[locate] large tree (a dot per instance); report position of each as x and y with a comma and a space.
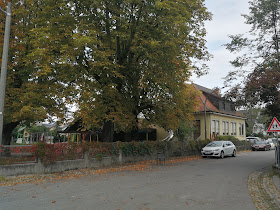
38, 70
134, 57
113, 59
259, 65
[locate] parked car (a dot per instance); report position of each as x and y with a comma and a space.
271, 142
261, 145
219, 149
275, 142
253, 139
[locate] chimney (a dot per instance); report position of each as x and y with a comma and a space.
217, 91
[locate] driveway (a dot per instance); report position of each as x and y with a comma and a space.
197, 184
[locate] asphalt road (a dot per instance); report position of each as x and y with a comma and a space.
198, 184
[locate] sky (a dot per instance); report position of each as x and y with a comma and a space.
226, 20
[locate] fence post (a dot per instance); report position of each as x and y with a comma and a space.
120, 156
167, 154
86, 157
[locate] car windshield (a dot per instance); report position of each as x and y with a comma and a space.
260, 142
214, 144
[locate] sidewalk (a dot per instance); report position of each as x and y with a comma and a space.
264, 188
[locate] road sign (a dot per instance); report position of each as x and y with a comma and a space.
274, 126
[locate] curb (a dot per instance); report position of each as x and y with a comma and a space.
262, 190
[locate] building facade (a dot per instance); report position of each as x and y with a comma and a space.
217, 117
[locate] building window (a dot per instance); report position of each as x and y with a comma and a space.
233, 129
241, 129
215, 127
225, 128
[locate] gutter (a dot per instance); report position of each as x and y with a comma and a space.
222, 114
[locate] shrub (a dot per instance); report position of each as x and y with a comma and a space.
142, 148
129, 148
50, 153
197, 145
226, 138
43, 152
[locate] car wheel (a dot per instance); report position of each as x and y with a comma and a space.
253, 149
204, 156
234, 153
222, 155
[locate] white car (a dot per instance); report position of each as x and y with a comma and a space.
219, 149
253, 139
272, 143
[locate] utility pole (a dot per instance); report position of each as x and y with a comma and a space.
4, 66
204, 104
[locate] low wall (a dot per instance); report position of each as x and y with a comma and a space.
87, 162
59, 166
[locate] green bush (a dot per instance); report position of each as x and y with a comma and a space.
142, 148
50, 153
226, 138
129, 148
197, 145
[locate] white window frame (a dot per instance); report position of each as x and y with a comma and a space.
233, 128
225, 128
241, 129
215, 127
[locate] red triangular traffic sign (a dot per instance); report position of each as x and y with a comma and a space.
274, 126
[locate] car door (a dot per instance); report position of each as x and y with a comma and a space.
226, 148
229, 148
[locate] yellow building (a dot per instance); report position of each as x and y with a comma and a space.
217, 117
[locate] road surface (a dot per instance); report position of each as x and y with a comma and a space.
198, 184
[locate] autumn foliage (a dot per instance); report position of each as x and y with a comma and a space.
111, 59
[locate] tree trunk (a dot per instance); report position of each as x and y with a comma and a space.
7, 132
108, 131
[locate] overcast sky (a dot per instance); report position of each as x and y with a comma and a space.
227, 20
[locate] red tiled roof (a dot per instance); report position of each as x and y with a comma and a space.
209, 106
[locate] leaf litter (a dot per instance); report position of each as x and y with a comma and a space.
78, 173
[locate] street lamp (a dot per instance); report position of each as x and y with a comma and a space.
204, 103
4, 65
